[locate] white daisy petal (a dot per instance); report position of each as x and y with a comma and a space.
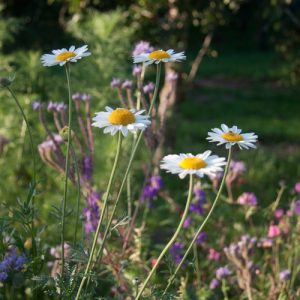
121, 119
62, 56
187, 163
231, 136
158, 56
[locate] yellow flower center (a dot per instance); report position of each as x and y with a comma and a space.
121, 116
159, 54
65, 56
232, 137
193, 163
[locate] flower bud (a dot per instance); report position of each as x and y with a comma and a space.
64, 133
28, 244
4, 82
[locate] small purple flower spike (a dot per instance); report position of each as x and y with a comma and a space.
127, 84
115, 83
36, 105
247, 199
149, 88
214, 284
142, 47
222, 272
284, 275
137, 70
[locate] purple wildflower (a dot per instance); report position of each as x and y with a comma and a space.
201, 238
187, 222
214, 284
278, 213
156, 182
197, 207
127, 84
137, 70
115, 83
284, 275
142, 47
87, 168
91, 212
149, 88
61, 106
176, 252
222, 272
172, 76
297, 187
12, 262
36, 105
52, 106
3, 276
248, 199
149, 192
85, 97
76, 97
237, 167
296, 207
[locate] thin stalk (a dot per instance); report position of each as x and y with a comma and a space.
34, 248
105, 202
67, 167
29, 131
124, 181
172, 240
158, 72
197, 265
224, 289
202, 225
78, 192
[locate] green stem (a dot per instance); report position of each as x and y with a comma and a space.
34, 248
136, 145
78, 192
224, 289
172, 240
105, 202
202, 225
197, 265
158, 73
29, 132
67, 167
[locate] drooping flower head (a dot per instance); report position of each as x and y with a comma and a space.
279, 213
231, 136
62, 56
36, 105
121, 119
214, 284
222, 272
158, 56
115, 83
200, 164
149, 88
273, 231
237, 167
284, 275
214, 254
297, 187
248, 199
141, 48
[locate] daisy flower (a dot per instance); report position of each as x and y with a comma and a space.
121, 119
232, 136
200, 164
158, 56
62, 56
